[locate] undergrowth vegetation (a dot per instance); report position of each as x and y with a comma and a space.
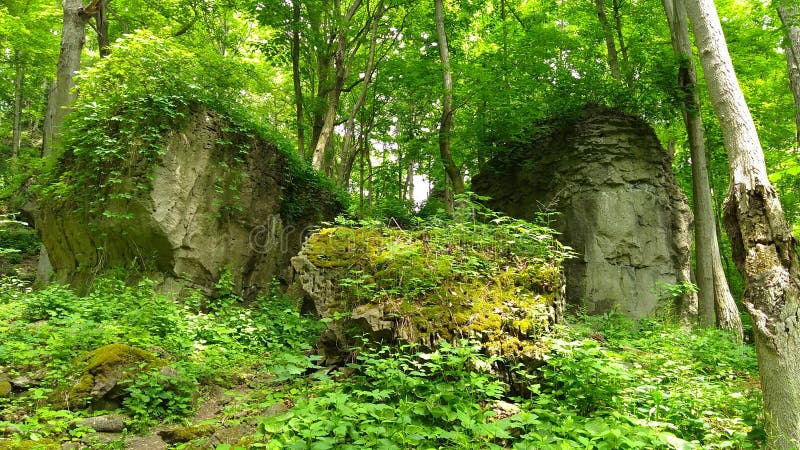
607, 383
45, 332
603, 382
646, 385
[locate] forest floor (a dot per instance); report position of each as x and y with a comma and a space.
246, 376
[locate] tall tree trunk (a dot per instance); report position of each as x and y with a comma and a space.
340, 64
409, 184
446, 123
623, 49
19, 78
348, 148
73, 36
101, 23
298, 89
361, 180
717, 306
789, 16
613, 59
763, 245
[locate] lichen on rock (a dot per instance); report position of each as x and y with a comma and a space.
439, 283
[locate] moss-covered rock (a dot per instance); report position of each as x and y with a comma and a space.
218, 197
432, 285
101, 377
186, 433
5, 388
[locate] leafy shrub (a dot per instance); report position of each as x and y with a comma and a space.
157, 396
585, 375
399, 398
45, 330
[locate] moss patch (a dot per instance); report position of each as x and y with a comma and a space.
438, 284
101, 373
5, 388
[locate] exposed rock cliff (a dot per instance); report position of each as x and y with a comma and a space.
217, 199
620, 208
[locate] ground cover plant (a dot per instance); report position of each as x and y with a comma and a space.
604, 382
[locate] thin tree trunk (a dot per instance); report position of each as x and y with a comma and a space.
361, 181
19, 78
298, 89
623, 49
101, 21
370, 175
73, 36
348, 150
613, 59
717, 306
789, 18
763, 245
446, 123
409, 184
322, 143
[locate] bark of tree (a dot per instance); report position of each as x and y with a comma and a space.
790, 15
613, 59
447, 120
763, 245
101, 27
19, 79
73, 37
717, 306
298, 89
341, 66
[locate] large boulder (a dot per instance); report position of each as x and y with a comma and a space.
619, 207
218, 198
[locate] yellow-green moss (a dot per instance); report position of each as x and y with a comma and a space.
114, 360
5, 388
433, 294
113, 354
340, 246
41, 444
191, 432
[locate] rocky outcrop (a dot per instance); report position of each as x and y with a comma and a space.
217, 199
425, 287
619, 207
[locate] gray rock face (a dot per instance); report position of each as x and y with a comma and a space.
620, 208
111, 423
217, 199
